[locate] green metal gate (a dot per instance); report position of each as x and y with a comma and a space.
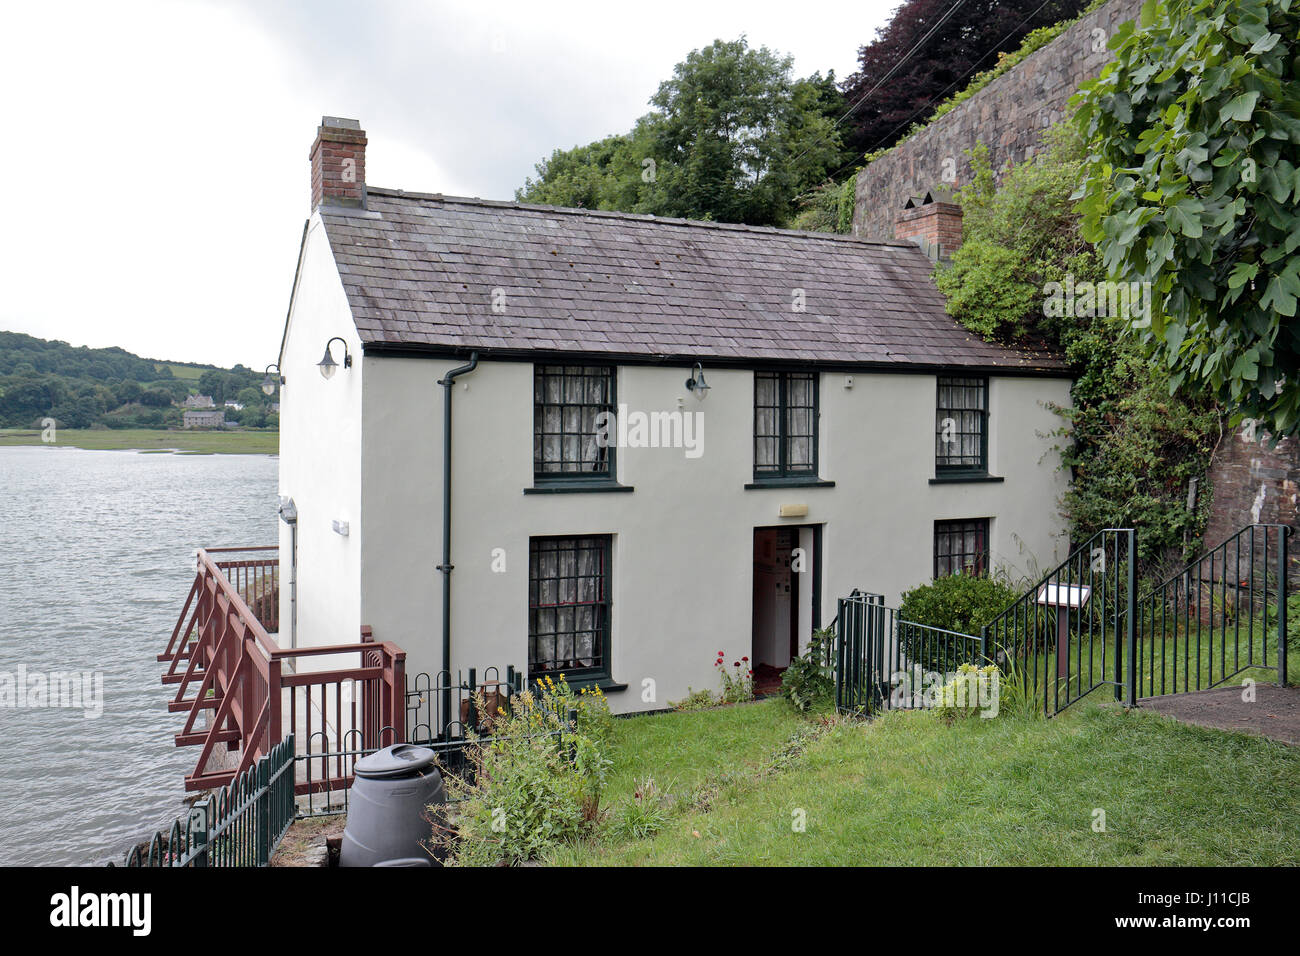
884, 662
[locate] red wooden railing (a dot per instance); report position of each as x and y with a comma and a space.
239, 688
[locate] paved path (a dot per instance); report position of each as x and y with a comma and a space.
1275, 711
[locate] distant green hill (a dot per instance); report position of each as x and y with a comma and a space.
82, 387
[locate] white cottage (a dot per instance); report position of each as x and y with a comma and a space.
514, 460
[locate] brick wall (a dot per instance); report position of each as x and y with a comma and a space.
1252, 483
1008, 116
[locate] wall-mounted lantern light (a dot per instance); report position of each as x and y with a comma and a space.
698, 387
269, 383
327, 365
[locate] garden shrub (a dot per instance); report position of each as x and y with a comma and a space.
967, 694
529, 789
958, 602
828, 207
809, 679
1020, 693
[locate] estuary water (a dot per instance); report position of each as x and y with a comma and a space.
96, 558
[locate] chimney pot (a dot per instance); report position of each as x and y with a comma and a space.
338, 164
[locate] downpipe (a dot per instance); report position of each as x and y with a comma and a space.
289, 515
445, 568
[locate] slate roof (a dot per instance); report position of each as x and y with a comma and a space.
420, 271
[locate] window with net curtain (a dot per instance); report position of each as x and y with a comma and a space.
961, 547
785, 424
568, 605
961, 425
567, 403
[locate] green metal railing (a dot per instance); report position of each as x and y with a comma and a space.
241, 824
1069, 634
1220, 616
1082, 628
326, 764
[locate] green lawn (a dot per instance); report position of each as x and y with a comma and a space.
190, 442
906, 790
684, 750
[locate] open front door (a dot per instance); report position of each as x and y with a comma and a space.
785, 570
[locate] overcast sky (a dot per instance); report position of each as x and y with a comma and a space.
154, 154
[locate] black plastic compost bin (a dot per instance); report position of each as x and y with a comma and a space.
387, 820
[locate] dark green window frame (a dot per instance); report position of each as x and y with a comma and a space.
965, 400
569, 607
961, 547
782, 423
567, 398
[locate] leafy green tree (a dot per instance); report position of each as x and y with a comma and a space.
736, 139
1016, 240
127, 392
733, 137
251, 416
80, 411
1193, 186
585, 177
250, 396
213, 382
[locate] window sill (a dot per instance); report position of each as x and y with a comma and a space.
809, 482
973, 478
606, 684
576, 487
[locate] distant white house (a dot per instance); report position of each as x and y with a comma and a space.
237, 406
199, 401
203, 419
608, 520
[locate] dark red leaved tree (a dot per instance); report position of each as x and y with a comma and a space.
967, 43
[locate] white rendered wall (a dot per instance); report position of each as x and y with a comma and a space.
682, 585
320, 456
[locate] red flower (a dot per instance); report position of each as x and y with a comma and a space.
745, 659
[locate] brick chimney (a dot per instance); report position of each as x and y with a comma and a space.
934, 226
338, 163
